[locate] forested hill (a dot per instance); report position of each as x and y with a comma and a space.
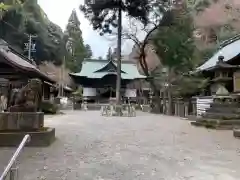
29, 18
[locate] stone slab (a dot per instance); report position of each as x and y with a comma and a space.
38, 139
213, 126
236, 133
21, 120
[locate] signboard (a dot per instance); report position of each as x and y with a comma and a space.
236, 81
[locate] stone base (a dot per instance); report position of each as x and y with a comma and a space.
236, 133
28, 121
39, 138
146, 108
217, 124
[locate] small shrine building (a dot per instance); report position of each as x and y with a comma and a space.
223, 70
98, 79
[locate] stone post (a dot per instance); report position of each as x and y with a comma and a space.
194, 106
176, 108
186, 109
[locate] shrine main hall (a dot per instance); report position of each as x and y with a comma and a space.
98, 79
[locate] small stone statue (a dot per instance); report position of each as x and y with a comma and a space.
27, 99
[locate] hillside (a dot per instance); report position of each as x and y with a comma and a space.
17, 23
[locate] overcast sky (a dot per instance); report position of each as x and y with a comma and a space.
58, 11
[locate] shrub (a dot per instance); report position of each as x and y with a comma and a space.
49, 107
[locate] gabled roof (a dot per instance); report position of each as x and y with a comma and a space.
230, 49
90, 69
109, 67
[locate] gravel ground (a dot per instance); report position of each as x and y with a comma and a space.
146, 147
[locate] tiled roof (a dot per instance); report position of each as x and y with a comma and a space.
90, 67
18, 61
229, 51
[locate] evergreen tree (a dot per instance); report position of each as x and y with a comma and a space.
78, 49
175, 44
26, 17
176, 48
109, 54
88, 51
103, 14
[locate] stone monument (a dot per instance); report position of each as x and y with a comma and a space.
24, 116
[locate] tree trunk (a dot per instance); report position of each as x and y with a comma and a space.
169, 108
156, 101
169, 91
164, 101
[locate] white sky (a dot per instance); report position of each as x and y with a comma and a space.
58, 11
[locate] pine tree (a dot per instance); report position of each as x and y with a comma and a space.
78, 50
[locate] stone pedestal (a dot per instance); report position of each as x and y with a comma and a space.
19, 121
42, 138
15, 125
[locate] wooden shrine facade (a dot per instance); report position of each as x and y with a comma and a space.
98, 78
16, 70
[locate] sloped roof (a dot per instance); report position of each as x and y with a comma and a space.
16, 60
229, 51
89, 68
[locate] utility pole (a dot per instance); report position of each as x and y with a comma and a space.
119, 44
30, 47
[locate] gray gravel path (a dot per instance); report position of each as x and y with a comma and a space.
148, 147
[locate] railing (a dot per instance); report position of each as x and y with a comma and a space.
11, 168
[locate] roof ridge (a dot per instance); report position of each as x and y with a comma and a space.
229, 41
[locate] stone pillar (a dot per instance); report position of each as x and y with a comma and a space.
176, 108
194, 106
186, 109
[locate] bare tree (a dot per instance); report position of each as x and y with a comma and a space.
133, 32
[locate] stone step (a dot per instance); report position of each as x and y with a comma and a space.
214, 125
221, 116
220, 122
225, 110
223, 105
192, 118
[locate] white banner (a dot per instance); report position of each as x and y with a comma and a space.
130, 93
89, 92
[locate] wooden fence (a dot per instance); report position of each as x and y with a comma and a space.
194, 106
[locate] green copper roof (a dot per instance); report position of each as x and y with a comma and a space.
89, 68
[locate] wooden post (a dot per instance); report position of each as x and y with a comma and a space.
9, 94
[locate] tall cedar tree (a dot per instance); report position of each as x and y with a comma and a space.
78, 50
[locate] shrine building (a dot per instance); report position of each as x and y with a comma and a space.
223, 70
98, 79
